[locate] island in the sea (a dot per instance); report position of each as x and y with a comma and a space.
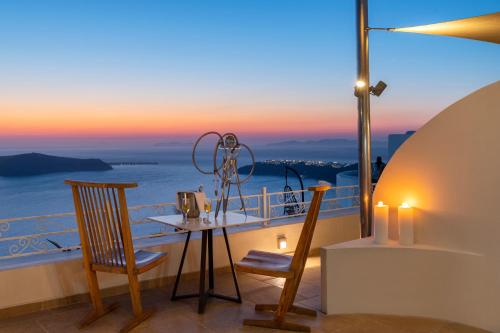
33, 164
307, 169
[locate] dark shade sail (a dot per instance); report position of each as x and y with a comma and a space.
485, 28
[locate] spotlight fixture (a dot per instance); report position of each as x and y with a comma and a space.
282, 243
360, 84
378, 89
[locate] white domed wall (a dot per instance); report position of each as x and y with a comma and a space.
449, 171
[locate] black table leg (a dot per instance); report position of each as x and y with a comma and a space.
203, 272
224, 297
203, 294
232, 265
179, 272
210, 260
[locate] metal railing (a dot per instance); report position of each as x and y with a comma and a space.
55, 233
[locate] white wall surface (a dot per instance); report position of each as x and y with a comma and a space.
52, 281
449, 172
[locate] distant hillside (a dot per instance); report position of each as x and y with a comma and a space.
307, 169
334, 142
321, 142
38, 164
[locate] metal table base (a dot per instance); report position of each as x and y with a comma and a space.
204, 294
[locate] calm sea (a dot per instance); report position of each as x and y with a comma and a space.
47, 194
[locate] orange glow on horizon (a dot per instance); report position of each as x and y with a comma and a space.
55, 121
111, 120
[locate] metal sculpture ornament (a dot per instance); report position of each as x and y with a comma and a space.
226, 173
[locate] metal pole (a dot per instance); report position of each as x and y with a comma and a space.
364, 134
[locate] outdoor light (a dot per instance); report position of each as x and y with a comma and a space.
381, 223
360, 84
405, 221
282, 244
378, 89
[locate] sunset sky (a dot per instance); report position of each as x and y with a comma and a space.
262, 68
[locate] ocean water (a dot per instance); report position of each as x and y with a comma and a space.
158, 183
47, 194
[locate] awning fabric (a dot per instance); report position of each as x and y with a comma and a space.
485, 28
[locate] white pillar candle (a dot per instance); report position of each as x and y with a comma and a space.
405, 221
381, 220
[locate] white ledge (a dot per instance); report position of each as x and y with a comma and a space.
368, 243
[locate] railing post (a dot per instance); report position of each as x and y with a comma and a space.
264, 205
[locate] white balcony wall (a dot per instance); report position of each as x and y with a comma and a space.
449, 172
55, 283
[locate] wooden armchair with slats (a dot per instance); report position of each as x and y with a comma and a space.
106, 239
288, 267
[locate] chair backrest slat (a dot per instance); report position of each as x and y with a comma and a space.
103, 223
95, 218
103, 213
88, 223
118, 223
113, 228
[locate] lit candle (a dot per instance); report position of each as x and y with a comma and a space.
381, 228
405, 220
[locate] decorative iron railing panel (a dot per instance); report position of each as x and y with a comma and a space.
35, 235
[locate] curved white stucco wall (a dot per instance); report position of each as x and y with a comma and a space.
450, 172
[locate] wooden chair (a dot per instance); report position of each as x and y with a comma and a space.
284, 266
104, 228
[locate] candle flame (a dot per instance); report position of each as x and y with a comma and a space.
380, 204
405, 205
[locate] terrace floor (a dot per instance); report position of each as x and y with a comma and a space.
222, 316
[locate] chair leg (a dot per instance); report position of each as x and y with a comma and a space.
302, 311
293, 309
273, 323
266, 307
135, 296
93, 315
137, 320
98, 308
280, 310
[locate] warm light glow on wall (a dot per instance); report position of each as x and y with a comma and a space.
405, 221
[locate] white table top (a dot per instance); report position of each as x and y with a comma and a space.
197, 224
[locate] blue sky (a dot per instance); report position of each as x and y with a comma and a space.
290, 58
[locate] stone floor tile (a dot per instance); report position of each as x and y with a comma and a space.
309, 290
24, 326
458, 328
313, 303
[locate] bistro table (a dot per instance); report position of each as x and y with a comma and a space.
207, 226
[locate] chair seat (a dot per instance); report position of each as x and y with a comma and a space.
266, 263
144, 260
